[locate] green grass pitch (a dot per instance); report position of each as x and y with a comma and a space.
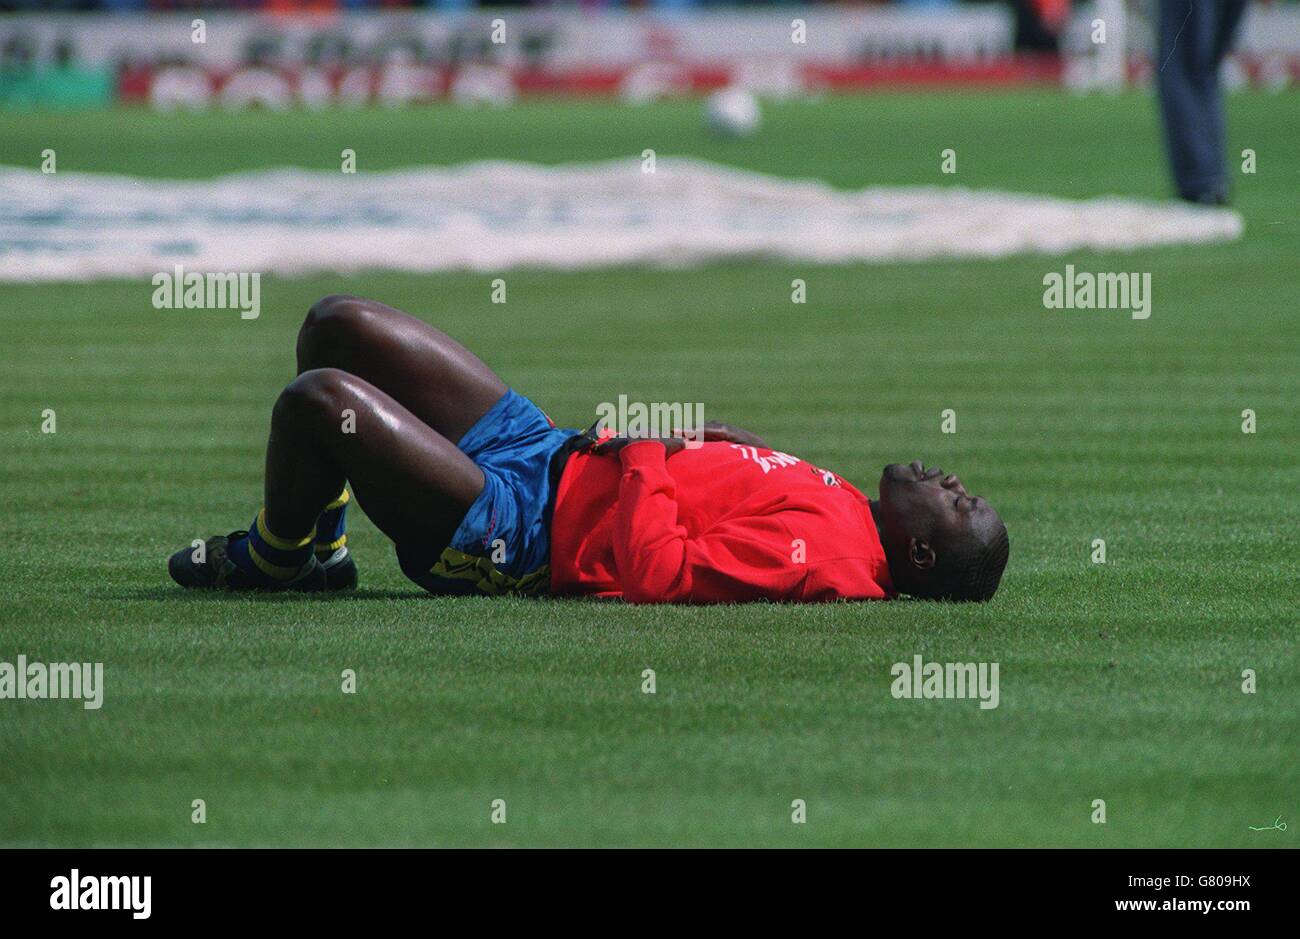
1119, 682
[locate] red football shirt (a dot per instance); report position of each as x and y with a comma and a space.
721, 523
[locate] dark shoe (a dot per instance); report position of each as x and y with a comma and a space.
218, 572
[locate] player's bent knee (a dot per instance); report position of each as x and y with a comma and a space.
316, 395
334, 324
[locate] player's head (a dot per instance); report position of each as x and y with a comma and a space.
941, 542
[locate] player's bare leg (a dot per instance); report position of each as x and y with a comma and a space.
411, 480
436, 378
329, 427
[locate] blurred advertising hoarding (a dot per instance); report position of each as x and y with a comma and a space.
255, 59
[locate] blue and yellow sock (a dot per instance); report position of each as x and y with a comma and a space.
331, 527
268, 556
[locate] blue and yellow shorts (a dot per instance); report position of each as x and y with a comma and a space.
503, 545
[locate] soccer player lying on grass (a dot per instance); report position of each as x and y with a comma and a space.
481, 493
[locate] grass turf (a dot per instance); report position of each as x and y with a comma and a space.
1119, 682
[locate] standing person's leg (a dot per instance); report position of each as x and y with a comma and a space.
1227, 21
1193, 38
1227, 16
1230, 16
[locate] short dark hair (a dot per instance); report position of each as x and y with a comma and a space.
980, 569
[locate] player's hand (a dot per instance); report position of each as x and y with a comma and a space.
716, 430
613, 445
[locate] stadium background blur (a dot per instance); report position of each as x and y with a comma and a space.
281, 53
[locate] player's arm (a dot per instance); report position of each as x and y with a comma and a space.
716, 430
735, 561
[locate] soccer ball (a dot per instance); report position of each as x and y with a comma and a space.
733, 112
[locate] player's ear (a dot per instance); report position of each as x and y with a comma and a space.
920, 554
